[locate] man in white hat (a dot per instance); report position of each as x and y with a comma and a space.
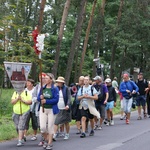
111, 102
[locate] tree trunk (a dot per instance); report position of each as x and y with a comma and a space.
59, 40
87, 37
41, 15
40, 20
99, 33
114, 46
75, 40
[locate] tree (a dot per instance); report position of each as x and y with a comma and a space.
100, 35
114, 46
59, 40
75, 39
87, 37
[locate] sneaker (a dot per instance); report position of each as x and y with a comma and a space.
19, 143
105, 121
99, 128
139, 118
145, 115
78, 132
54, 137
34, 138
66, 137
24, 138
127, 121
112, 122
108, 123
91, 133
49, 147
122, 117
45, 145
61, 134
95, 127
83, 135
41, 143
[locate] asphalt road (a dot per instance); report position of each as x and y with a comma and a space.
135, 136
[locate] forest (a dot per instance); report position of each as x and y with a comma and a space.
117, 32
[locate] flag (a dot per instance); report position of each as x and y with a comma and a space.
34, 36
38, 40
18, 74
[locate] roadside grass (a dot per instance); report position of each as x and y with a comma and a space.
7, 127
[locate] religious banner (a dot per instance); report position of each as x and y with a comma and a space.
18, 74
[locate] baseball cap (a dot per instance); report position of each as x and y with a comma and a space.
97, 78
125, 75
108, 80
140, 73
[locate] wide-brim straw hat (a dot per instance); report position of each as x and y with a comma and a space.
60, 79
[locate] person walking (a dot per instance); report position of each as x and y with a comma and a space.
102, 100
64, 104
36, 103
48, 98
86, 95
148, 99
21, 109
111, 102
141, 96
127, 88
115, 84
30, 88
123, 116
76, 101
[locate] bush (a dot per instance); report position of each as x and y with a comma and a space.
5, 102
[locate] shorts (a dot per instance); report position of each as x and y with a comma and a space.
141, 100
121, 105
101, 109
20, 120
86, 113
34, 121
110, 105
127, 104
78, 115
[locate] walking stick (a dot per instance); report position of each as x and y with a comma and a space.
39, 40
40, 61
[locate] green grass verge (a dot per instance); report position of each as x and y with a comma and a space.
7, 127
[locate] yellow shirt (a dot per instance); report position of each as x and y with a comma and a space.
20, 107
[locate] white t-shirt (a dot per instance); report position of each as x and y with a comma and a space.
30, 92
86, 90
61, 104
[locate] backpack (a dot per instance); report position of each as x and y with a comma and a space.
91, 90
144, 81
26, 93
101, 95
74, 109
